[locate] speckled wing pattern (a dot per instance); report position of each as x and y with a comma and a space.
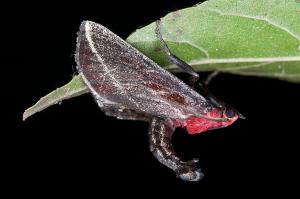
120, 76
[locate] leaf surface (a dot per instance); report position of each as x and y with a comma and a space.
244, 37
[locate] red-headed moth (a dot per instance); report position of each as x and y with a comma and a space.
128, 85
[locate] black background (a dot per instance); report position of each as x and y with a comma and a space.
73, 149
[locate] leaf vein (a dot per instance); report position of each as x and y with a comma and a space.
193, 45
261, 18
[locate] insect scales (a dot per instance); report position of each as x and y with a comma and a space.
128, 85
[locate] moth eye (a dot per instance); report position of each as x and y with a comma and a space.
229, 113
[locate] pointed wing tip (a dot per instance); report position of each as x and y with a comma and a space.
85, 24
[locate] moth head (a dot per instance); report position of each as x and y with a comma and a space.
214, 119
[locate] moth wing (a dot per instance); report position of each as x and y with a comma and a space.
118, 74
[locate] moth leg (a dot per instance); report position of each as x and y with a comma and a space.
203, 89
160, 139
210, 77
194, 80
174, 59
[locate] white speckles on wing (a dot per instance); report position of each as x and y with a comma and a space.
117, 73
107, 71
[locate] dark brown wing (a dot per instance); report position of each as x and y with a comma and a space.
118, 74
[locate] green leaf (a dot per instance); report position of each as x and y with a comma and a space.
74, 88
245, 37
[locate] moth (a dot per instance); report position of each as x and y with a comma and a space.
128, 85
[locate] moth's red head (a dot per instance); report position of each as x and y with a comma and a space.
196, 125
